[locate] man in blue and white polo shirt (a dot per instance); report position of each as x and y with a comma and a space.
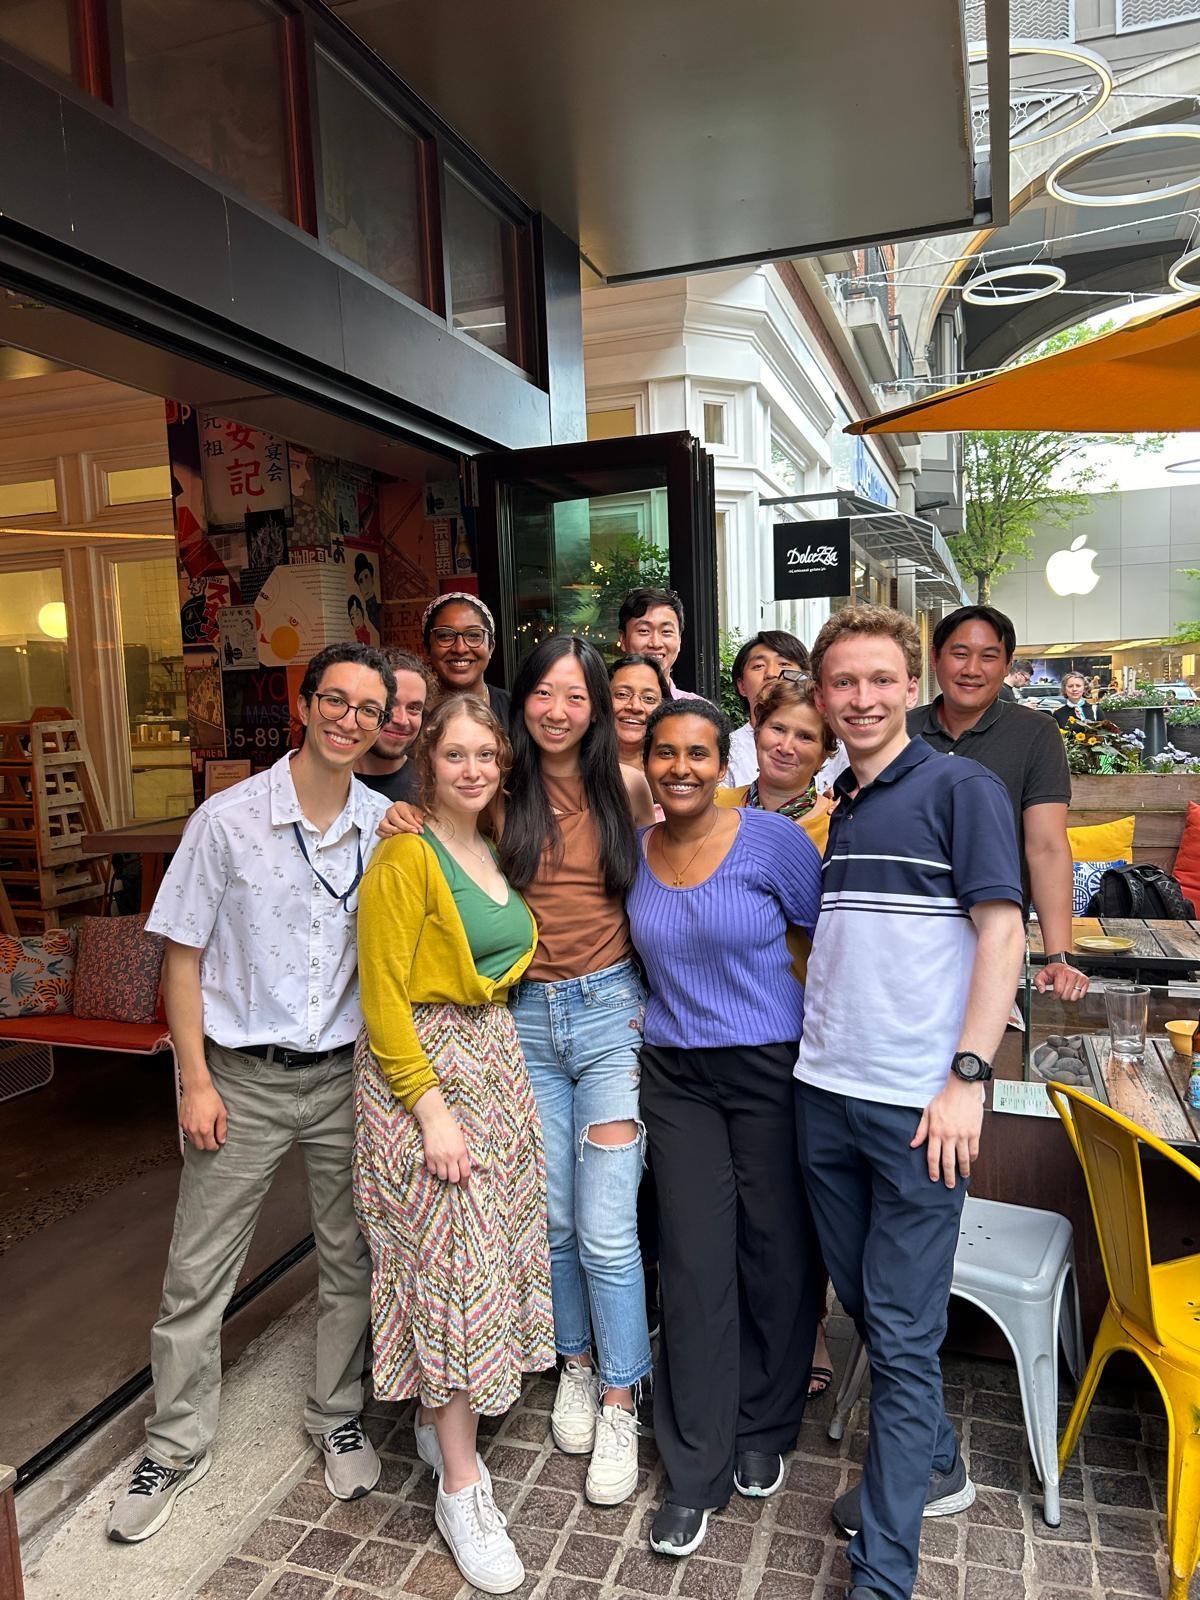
914, 965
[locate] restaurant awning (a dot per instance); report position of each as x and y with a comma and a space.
1143, 377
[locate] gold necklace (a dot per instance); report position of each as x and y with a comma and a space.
479, 855
679, 872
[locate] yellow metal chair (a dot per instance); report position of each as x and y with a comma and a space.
1153, 1311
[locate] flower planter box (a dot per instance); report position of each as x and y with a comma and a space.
1131, 721
1158, 802
1185, 736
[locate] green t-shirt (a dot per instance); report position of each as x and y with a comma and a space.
498, 935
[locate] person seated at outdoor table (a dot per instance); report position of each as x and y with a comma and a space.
760, 662
449, 1162
460, 635
793, 741
639, 686
715, 894
972, 650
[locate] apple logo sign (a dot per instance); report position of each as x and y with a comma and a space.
1070, 571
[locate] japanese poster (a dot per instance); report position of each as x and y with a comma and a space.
202, 681
200, 599
298, 611
238, 645
244, 470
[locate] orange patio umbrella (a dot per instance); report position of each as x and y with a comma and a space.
1141, 378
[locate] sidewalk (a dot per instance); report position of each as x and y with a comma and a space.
237, 1539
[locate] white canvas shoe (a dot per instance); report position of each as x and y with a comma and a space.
612, 1475
476, 1531
576, 1407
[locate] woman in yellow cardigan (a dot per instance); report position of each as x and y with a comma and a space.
449, 1166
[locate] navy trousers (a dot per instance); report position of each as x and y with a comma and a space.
888, 1235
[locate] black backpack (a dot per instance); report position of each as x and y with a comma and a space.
1145, 891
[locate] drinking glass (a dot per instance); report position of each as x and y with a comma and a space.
1127, 1005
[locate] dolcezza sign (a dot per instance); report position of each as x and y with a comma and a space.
812, 559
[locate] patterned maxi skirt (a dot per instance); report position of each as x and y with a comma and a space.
460, 1288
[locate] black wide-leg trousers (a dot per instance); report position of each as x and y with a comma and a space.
740, 1270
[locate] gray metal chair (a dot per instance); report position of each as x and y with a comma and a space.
1014, 1263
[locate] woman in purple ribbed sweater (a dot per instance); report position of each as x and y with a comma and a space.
715, 894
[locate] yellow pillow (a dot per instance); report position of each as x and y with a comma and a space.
1103, 841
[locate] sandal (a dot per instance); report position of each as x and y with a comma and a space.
819, 1379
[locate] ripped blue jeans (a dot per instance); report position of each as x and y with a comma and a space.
581, 1039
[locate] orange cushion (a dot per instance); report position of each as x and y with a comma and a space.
1187, 861
142, 1038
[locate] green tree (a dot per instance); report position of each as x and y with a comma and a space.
1014, 481
631, 563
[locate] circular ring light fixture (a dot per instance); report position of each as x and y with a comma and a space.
1178, 275
1184, 468
1123, 138
1088, 59
990, 288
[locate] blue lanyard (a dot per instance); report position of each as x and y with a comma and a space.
342, 899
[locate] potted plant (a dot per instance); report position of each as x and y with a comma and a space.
1183, 727
1127, 711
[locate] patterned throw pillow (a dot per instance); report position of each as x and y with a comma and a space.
116, 977
1087, 881
37, 974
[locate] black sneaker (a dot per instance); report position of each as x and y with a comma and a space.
947, 1493
859, 1592
677, 1530
756, 1474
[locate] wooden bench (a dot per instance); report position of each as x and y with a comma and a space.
69, 1032
1159, 805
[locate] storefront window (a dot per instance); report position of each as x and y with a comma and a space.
155, 700
369, 185
482, 248
206, 79
33, 643
40, 29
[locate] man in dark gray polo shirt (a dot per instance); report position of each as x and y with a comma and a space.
972, 650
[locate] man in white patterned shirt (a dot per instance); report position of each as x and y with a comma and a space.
260, 981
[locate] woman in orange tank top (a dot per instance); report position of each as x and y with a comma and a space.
569, 845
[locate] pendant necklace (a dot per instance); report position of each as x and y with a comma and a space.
481, 856
662, 850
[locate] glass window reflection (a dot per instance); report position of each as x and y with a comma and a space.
481, 245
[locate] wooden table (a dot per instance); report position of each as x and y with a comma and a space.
153, 841
1164, 949
1151, 1090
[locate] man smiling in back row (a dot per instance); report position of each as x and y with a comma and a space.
972, 650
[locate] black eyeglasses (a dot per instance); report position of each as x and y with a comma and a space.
333, 707
469, 636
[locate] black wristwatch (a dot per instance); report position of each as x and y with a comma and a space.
970, 1068
1063, 956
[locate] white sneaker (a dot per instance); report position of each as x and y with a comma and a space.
430, 1450
474, 1528
576, 1407
612, 1476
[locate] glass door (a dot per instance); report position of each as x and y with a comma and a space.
565, 531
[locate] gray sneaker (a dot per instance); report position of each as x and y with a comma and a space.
948, 1493
352, 1468
150, 1498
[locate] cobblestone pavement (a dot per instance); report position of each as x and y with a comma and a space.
1110, 1543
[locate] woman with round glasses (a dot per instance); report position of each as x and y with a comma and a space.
638, 686
460, 635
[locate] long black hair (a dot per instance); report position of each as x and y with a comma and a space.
530, 827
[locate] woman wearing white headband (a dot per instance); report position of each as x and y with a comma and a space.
460, 635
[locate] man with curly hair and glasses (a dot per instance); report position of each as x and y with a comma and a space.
260, 980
